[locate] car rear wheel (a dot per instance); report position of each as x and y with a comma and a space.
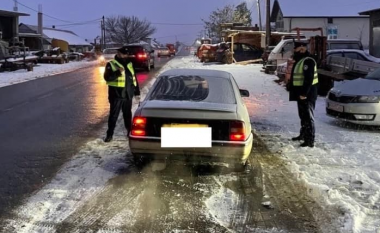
240, 167
140, 161
148, 66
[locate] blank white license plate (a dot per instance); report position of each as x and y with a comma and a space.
186, 137
336, 107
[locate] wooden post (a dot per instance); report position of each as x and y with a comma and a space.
232, 48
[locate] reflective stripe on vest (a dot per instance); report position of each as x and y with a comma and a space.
298, 77
120, 81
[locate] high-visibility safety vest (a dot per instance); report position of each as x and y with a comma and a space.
120, 81
298, 77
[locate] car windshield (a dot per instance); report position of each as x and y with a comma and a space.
194, 88
374, 75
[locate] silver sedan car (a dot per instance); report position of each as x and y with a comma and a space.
356, 101
163, 51
207, 102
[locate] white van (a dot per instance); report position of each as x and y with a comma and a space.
280, 54
284, 50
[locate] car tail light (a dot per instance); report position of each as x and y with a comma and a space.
237, 131
141, 55
138, 126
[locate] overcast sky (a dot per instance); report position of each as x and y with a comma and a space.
164, 14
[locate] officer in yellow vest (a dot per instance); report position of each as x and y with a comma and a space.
122, 86
304, 90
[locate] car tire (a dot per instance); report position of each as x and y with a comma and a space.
240, 167
148, 66
140, 161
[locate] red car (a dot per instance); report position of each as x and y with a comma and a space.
171, 49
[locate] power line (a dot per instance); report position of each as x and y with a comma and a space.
180, 24
44, 13
79, 23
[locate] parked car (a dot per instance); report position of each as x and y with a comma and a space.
284, 50
109, 54
354, 54
356, 101
142, 56
171, 48
242, 52
163, 51
191, 98
344, 44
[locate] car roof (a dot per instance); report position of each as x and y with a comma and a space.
347, 51
344, 40
198, 72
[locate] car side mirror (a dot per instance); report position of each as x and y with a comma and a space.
244, 93
152, 51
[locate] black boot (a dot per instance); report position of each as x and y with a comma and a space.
298, 138
307, 144
108, 138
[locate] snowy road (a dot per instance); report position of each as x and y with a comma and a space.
43, 122
100, 190
333, 187
166, 198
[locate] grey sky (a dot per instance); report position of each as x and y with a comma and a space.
168, 12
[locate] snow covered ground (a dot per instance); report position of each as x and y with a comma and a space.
40, 71
342, 172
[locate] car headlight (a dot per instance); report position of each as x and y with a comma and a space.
367, 99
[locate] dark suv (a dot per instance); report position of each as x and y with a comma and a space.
142, 56
242, 52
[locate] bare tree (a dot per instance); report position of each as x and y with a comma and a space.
224, 15
126, 30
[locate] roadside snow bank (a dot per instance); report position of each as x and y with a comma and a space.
42, 70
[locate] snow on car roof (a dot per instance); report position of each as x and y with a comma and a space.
199, 72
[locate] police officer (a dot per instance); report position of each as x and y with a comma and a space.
304, 90
122, 85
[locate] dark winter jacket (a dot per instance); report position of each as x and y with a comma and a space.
117, 92
308, 89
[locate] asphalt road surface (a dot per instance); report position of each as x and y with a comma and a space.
43, 123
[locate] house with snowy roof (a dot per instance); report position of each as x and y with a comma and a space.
34, 40
336, 24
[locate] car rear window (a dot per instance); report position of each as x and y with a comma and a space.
194, 88
110, 51
344, 46
135, 49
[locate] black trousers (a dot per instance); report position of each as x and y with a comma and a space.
115, 106
306, 114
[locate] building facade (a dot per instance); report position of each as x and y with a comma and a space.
374, 32
334, 27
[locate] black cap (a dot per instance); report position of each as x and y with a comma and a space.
299, 44
123, 50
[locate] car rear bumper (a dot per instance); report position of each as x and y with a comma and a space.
219, 152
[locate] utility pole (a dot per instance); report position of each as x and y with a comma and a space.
104, 33
259, 10
15, 8
268, 27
